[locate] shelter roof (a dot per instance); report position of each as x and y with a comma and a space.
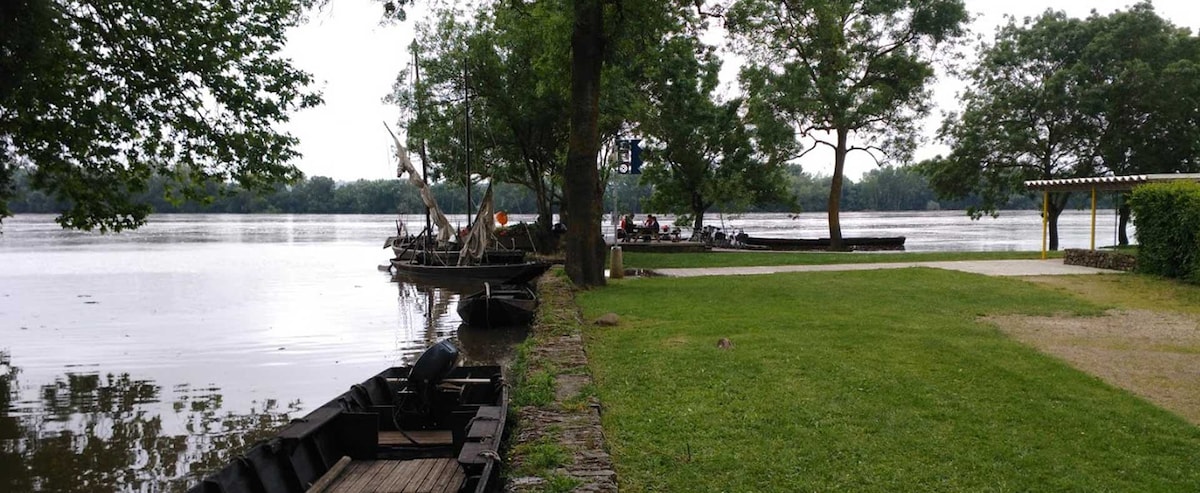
1126, 182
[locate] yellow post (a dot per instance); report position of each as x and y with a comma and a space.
1045, 219
1093, 218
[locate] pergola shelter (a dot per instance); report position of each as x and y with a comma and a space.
1096, 184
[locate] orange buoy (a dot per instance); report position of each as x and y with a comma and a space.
502, 218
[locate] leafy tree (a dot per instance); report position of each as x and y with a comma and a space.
837, 68
893, 189
1023, 120
98, 96
1141, 80
702, 154
517, 136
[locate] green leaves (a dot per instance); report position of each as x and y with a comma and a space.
836, 68
104, 94
1056, 97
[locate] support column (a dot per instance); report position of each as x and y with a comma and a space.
1045, 219
1093, 218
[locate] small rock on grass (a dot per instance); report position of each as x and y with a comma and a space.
608, 320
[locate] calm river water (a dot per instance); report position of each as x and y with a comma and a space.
139, 361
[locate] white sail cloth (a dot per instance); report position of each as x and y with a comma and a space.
482, 228
445, 230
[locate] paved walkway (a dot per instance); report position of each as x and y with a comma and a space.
1053, 267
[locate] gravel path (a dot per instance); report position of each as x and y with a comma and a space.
1053, 267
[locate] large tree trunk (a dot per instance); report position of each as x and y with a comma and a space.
698, 208
581, 190
1058, 202
1123, 221
835, 192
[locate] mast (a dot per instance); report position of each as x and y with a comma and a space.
424, 165
467, 137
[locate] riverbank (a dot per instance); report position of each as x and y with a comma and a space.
558, 444
864, 381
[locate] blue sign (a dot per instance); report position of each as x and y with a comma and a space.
629, 157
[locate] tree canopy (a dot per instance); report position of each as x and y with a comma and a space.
701, 152
841, 68
96, 97
1059, 97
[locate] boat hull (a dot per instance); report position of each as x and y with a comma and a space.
494, 273
448, 436
504, 306
854, 243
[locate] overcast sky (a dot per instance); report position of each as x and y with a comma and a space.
355, 60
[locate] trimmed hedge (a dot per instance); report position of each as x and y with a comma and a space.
1167, 217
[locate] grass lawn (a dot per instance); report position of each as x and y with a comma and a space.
645, 260
863, 381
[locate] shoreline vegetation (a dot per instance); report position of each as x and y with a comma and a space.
892, 380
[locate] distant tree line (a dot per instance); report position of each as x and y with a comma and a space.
887, 188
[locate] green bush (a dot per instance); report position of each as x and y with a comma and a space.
1167, 217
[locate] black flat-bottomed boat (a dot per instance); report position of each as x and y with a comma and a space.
504, 305
431, 427
854, 243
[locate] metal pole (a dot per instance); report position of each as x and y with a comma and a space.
467, 137
1093, 218
1045, 219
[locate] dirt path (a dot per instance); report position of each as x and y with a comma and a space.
1153, 354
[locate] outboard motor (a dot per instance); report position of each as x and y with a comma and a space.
432, 367
419, 408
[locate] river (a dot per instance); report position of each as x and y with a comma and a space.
139, 361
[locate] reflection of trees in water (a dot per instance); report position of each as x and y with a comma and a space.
433, 310
88, 433
429, 308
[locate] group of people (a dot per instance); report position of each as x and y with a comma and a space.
628, 230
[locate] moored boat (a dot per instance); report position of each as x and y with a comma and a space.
499, 306
854, 243
433, 426
511, 273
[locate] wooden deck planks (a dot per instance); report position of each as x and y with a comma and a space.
423, 437
398, 476
433, 479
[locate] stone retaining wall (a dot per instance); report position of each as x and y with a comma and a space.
572, 421
1100, 259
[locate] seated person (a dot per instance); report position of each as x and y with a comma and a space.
652, 226
628, 226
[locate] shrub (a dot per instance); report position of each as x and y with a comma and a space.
1167, 217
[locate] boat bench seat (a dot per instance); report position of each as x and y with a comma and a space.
484, 431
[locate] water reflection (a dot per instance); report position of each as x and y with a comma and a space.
436, 306
87, 432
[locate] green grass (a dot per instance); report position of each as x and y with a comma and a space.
542, 457
531, 386
645, 260
1131, 292
863, 381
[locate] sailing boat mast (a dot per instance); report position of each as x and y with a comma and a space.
467, 137
424, 161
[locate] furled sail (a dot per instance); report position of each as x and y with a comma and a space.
482, 228
445, 230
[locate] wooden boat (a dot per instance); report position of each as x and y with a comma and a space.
499, 273
502, 306
860, 243
427, 428
411, 248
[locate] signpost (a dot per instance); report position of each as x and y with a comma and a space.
629, 157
